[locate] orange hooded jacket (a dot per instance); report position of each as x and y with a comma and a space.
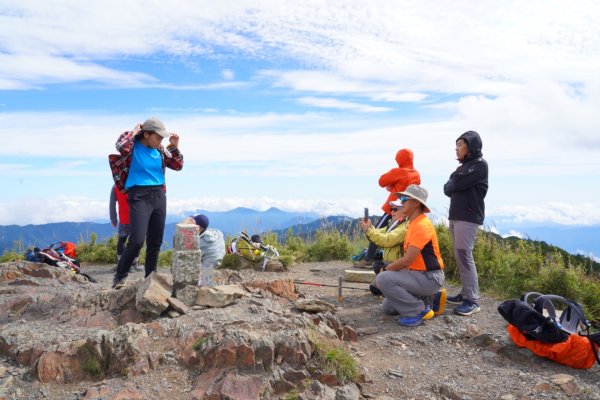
397, 179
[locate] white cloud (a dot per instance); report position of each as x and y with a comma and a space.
339, 104
513, 233
228, 74
81, 209
376, 89
57, 209
33, 71
571, 213
524, 74
588, 254
486, 48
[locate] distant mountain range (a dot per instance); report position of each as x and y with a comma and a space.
579, 239
230, 222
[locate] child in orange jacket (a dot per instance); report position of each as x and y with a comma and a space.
394, 181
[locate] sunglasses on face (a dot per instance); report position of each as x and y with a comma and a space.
394, 209
404, 199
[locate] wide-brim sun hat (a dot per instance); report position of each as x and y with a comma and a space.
153, 124
418, 193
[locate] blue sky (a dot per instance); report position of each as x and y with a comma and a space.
302, 105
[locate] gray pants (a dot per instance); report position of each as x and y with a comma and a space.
463, 239
406, 292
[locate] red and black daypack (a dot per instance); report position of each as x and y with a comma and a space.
59, 254
563, 337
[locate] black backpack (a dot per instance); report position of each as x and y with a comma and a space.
539, 321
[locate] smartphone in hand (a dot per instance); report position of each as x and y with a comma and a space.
366, 217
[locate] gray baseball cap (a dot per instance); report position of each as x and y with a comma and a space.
153, 124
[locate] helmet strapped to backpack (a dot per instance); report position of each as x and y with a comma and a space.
562, 337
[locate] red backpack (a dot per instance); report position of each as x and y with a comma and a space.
67, 248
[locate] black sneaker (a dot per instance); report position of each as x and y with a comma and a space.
458, 299
118, 283
375, 290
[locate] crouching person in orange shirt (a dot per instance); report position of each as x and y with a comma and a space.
412, 285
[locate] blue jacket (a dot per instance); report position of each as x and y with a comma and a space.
468, 185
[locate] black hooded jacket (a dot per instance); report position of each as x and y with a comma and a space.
468, 185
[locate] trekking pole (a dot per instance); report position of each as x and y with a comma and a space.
298, 282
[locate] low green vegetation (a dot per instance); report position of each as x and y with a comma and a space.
337, 361
507, 267
89, 361
199, 342
291, 395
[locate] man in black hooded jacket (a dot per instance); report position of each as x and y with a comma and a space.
467, 188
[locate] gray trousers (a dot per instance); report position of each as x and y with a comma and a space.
463, 239
406, 292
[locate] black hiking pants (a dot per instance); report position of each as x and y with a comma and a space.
147, 214
372, 249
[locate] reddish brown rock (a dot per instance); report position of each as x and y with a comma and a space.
16, 307
9, 273
97, 393
329, 380
295, 376
40, 271
281, 287
543, 387
29, 356
242, 387
245, 356
129, 315
204, 384
101, 319
128, 393
292, 351
25, 282
263, 354
58, 367
349, 334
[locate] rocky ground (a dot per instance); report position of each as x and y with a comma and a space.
449, 357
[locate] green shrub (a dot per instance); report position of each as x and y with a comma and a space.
291, 395
231, 261
287, 260
93, 252
201, 341
165, 259
335, 360
329, 245
90, 362
11, 255
15, 254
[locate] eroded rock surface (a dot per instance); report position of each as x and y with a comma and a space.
73, 332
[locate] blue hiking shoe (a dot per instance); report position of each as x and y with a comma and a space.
467, 307
417, 320
458, 299
439, 302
